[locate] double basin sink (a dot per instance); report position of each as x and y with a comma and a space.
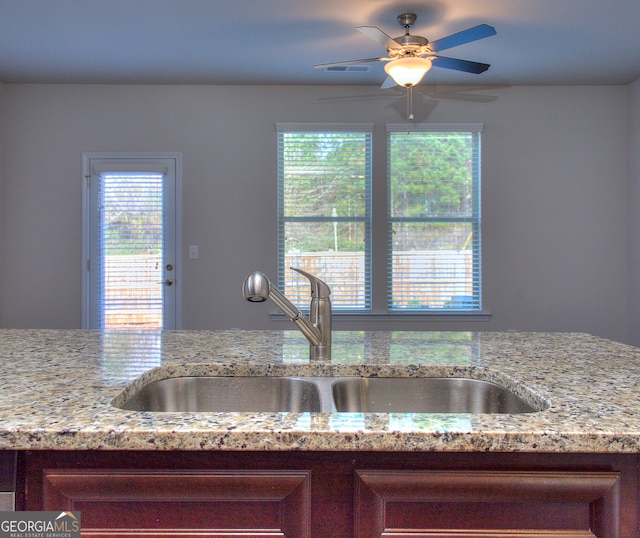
204, 394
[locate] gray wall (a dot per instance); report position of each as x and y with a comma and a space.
2, 250
634, 212
556, 183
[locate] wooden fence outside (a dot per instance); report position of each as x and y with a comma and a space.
133, 293
438, 278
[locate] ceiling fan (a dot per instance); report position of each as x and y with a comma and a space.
411, 56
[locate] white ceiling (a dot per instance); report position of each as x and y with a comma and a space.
278, 41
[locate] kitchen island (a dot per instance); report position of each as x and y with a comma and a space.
570, 468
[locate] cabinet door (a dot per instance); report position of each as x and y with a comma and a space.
182, 503
487, 504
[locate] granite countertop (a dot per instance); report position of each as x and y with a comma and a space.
59, 385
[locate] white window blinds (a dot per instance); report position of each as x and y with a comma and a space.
128, 255
324, 186
434, 218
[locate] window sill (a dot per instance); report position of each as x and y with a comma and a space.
399, 316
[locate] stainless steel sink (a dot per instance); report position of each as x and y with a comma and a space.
226, 394
425, 395
323, 394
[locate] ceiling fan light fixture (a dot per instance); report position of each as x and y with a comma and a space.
408, 71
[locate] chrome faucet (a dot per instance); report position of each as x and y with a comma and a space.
317, 327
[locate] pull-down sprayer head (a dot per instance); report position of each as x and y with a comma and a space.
256, 287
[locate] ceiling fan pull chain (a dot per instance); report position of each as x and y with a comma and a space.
409, 103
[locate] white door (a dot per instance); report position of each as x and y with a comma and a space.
131, 241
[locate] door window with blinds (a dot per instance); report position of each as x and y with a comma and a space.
324, 201
131, 235
433, 253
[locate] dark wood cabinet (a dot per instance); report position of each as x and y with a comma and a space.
208, 503
487, 503
338, 494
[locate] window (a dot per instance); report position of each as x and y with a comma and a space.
433, 255
324, 186
432, 243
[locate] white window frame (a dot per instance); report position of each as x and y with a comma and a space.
283, 272
379, 222
474, 219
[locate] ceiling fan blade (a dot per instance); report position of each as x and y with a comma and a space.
378, 35
460, 65
388, 83
466, 36
350, 62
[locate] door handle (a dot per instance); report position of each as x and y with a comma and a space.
168, 282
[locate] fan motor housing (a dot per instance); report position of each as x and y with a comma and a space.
409, 40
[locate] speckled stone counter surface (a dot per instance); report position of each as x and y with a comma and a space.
58, 388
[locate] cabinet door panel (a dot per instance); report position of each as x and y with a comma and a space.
473, 515
183, 503
483, 503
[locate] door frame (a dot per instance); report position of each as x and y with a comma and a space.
86, 216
